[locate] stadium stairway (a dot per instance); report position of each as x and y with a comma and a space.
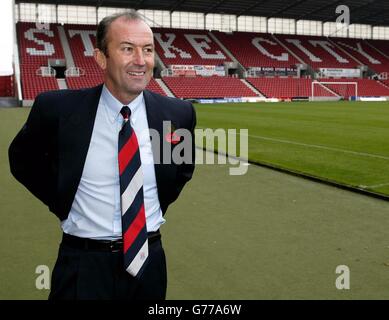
228, 52
66, 48
248, 84
62, 84
165, 88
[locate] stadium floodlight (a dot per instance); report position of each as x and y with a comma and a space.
337, 88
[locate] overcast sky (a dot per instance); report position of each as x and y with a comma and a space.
7, 26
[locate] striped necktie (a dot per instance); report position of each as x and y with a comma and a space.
135, 243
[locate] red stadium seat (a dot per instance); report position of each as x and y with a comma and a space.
188, 47
318, 52
36, 46
366, 87
6, 86
287, 88
256, 49
207, 87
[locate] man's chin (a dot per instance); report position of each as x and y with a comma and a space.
136, 91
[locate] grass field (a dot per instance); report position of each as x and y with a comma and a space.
263, 235
346, 142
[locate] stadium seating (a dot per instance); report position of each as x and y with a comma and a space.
256, 49
317, 52
364, 53
83, 81
187, 47
154, 86
197, 47
385, 82
207, 87
381, 46
33, 85
82, 39
36, 46
287, 88
6, 86
366, 87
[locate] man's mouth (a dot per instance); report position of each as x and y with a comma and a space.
138, 74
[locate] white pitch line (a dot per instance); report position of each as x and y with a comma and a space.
377, 185
370, 155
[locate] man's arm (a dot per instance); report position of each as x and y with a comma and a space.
30, 154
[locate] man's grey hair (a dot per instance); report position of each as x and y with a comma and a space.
102, 28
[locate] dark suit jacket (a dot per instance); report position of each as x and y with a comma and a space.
47, 156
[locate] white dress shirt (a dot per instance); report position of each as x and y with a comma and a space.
95, 212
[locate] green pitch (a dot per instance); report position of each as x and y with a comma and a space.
262, 235
345, 142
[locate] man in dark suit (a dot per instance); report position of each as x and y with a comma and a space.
90, 157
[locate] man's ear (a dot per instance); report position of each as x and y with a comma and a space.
100, 58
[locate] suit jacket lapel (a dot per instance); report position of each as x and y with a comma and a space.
155, 122
164, 173
154, 114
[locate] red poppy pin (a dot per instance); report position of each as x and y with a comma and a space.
172, 137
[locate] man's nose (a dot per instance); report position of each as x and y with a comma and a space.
139, 58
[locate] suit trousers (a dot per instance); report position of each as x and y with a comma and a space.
81, 274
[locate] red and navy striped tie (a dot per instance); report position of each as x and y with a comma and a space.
135, 243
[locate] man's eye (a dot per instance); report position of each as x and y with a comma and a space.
127, 49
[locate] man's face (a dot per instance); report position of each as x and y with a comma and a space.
129, 63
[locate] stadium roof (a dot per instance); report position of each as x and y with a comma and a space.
373, 12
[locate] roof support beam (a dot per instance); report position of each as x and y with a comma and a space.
176, 5
138, 4
375, 13
215, 6
296, 3
328, 5
248, 9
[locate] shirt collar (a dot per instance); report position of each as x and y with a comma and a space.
114, 106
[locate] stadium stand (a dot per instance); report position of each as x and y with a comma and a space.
366, 87
82, 39
187, 47
36, 46
154, 86
6, 86
256, 49
364, 53
83, 81
207, 87
198, 48
318, 52
380, 45
287, 88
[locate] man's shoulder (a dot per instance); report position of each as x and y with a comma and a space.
167, 102
65, 95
